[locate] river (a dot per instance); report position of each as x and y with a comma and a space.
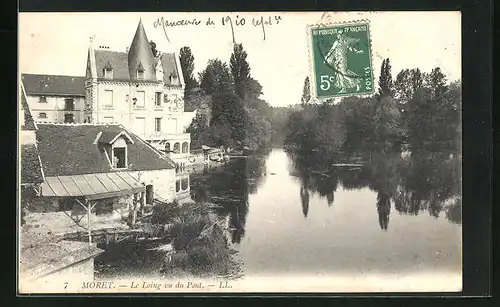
294, 215
400, 214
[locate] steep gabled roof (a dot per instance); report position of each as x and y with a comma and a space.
139, 56
118, 60
53, 85
170, 68
67, 150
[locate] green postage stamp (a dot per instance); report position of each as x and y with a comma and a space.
340, 59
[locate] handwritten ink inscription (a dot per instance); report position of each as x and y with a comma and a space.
226, 21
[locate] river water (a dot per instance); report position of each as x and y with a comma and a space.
289, 215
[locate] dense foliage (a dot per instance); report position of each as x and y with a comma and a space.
230, 110
418, 109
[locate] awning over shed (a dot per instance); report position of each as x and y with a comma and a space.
92, 186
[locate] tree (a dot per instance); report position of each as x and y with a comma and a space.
437, 82
306, 92
197, 129
228, 116
387, 121
216, 77
240, 70
257, 130
153, 48
386, 86
186, 59
357, 118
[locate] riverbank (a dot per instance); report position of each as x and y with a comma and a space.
185, 240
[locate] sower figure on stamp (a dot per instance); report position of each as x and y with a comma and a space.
337, 59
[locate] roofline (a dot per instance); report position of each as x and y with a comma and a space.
55, 94
49, 75
131, 80
78, 124
159, 153
120, 134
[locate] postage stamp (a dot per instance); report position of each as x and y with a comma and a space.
340, 56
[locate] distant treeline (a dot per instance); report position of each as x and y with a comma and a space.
417, 109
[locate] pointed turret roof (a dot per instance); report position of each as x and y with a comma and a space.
140, 53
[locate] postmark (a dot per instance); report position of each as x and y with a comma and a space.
340, 59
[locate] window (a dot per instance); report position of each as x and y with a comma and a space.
167, 147
140, 99
108, 99
177, 148
157, 99
184, 184
109, 119
42, 115
140, 74
157, 124
69, 104
42, 99
108, 73
69, 118
185, 147
177, 186
120, 157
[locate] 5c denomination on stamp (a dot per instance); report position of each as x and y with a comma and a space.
340, 58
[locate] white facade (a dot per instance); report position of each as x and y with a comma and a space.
57, 109
141, 92
162, 181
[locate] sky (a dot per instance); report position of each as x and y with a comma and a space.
57, 43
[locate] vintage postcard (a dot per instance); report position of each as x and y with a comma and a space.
239, 152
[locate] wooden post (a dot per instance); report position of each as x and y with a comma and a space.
89, 209
143, 201
134, 208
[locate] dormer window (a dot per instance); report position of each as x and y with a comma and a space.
115, 147
108, 71
140, 72
173, 78
119, 157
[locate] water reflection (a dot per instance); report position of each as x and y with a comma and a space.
229, 188
423, 181
413, 182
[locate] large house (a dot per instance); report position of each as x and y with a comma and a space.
142, 91
58, 99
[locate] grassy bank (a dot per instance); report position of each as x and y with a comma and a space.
199, 246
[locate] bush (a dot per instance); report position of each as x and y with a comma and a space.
200, 245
